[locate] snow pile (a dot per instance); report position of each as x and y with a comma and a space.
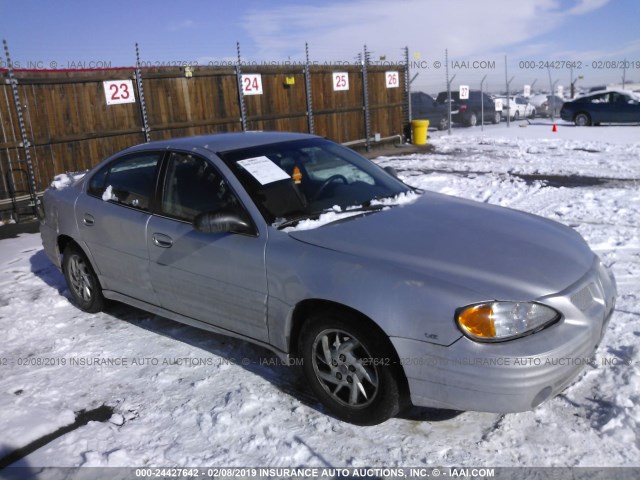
108, 194
64, 180
324, 219
338, 213
401, 199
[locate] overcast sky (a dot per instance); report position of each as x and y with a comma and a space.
592, 32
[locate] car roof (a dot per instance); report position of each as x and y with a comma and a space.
630, 93
223, 142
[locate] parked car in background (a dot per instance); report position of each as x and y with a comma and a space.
516, 108
386, 293
547, 105
468, 111
424, 107
610, 106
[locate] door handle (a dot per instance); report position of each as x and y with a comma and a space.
88, 220
162, 241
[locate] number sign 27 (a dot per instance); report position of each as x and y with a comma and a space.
252, 84
119, 91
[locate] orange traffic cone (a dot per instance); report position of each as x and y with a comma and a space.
554, 129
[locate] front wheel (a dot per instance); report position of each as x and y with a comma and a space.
350, 369
582, 120
443, 124
82, 280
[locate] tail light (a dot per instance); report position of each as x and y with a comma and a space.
462, 108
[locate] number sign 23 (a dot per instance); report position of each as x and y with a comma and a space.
119, 91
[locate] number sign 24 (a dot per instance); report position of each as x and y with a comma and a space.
119, 91
252, 84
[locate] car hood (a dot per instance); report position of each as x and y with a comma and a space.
497, 252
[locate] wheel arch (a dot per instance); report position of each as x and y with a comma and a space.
307, 307
583, 112
63, 241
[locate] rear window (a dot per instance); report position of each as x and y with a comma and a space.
127, 181
442, 97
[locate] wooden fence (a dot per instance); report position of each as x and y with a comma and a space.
70, 127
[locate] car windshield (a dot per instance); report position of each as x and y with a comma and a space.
301, 179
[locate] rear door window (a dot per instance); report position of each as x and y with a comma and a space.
128, 181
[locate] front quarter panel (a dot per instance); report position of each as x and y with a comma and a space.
403, 303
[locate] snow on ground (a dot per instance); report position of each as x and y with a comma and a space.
183, 397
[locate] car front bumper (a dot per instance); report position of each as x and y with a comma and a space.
516, 375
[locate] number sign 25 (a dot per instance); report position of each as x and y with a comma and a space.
392, 79
252, 84
119, 91
340, 81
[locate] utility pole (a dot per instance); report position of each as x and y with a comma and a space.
446, 66
482, 102
508, 82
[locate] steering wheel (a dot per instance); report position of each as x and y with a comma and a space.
328, 182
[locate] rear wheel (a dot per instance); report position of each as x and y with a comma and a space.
350, 369
473, 119
516, 116
82, 280
582, 119
496, 118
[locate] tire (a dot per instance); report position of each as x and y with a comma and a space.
473, 119
516, 116
443, 124
533, 113
350, 369
82, 280
582, 119
496, 118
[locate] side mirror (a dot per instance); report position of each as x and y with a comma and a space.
391, 171
226, 220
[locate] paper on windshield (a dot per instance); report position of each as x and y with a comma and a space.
263, 169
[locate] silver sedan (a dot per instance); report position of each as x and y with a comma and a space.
385, 293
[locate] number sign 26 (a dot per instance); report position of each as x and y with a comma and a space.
252, 84
119, 91
392, 79
340, 81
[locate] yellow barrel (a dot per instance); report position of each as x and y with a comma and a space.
419, 131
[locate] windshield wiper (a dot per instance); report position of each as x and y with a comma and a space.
365, 207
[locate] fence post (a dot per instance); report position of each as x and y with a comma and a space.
23, 131
307, 85
143, 106
365, 94
243, 110
407, 90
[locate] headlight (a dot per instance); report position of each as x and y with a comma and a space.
498, 321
